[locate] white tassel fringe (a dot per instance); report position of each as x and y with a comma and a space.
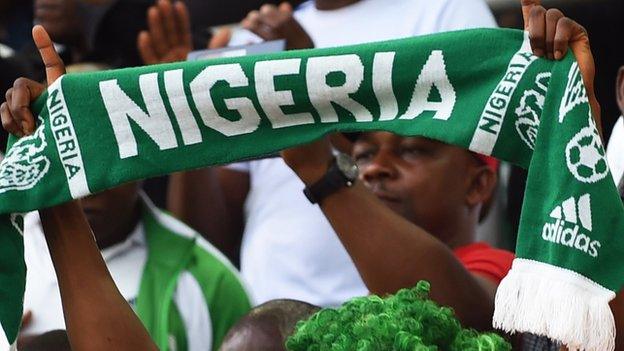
555, 302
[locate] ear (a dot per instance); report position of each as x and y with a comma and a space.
619, 89
481, 188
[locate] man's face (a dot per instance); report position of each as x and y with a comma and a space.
424, 181
60, 19
111, 212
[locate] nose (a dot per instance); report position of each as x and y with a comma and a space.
381, 167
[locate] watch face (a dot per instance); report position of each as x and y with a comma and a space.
347, 166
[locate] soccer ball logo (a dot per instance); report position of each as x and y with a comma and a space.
25, 164
585, 156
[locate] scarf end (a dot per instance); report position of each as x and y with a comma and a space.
563, 305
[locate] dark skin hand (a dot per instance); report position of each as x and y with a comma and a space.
416, 253
168, 38
96, 315
277, 22
551, 35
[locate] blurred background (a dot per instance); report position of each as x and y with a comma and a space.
109, 29
105, 32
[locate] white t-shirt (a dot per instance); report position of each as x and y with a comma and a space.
615, 151
125, 262
289, 249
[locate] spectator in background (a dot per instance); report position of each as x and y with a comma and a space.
615, 158
15, 23
98, 318
413, 214
289, 249
165, 271
13, 17
100, 32
266, 327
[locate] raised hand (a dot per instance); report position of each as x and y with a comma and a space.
169, 36
551, 35
272, 22
15, 113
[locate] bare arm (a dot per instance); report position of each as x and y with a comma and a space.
96, 314
211, 201
391, 253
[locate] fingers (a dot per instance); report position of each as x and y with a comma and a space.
220, 39
563, 35
527, 7
168, 38
146, 48
550, 32
19, 104
286, 7
157, 31
537, 30
552, 18
15, 113
254, 23
183, 22
272, 17
8, 122
53, 63
169, 19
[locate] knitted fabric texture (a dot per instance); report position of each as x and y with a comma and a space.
482, 90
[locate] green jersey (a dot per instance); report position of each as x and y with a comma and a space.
190, 294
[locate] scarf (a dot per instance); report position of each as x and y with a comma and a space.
482, 90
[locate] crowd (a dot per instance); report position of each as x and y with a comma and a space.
241, 254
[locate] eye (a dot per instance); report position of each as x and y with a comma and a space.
363, 156
413, 152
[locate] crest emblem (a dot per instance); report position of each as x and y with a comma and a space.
25, 164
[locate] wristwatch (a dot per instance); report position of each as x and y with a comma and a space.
342, 172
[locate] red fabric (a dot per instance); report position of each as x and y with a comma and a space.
490, 161
483, 259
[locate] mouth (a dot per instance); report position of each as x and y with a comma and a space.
386, 197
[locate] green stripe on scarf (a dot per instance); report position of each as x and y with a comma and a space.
478, 89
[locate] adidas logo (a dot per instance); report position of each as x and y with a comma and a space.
571, 219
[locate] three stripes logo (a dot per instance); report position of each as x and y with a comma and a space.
572, 226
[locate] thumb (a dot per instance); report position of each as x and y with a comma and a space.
51, 60
220, 39
285, 7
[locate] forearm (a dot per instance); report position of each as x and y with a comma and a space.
97, 317
391, 253
206, 201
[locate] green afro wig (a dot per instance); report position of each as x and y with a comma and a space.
405, 321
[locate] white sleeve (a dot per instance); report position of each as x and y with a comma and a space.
239, 166
615, 151
466, 14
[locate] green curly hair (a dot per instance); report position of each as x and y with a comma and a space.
405, 321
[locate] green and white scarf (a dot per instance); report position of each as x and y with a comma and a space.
480, 89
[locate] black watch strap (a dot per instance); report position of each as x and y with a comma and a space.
331, 182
